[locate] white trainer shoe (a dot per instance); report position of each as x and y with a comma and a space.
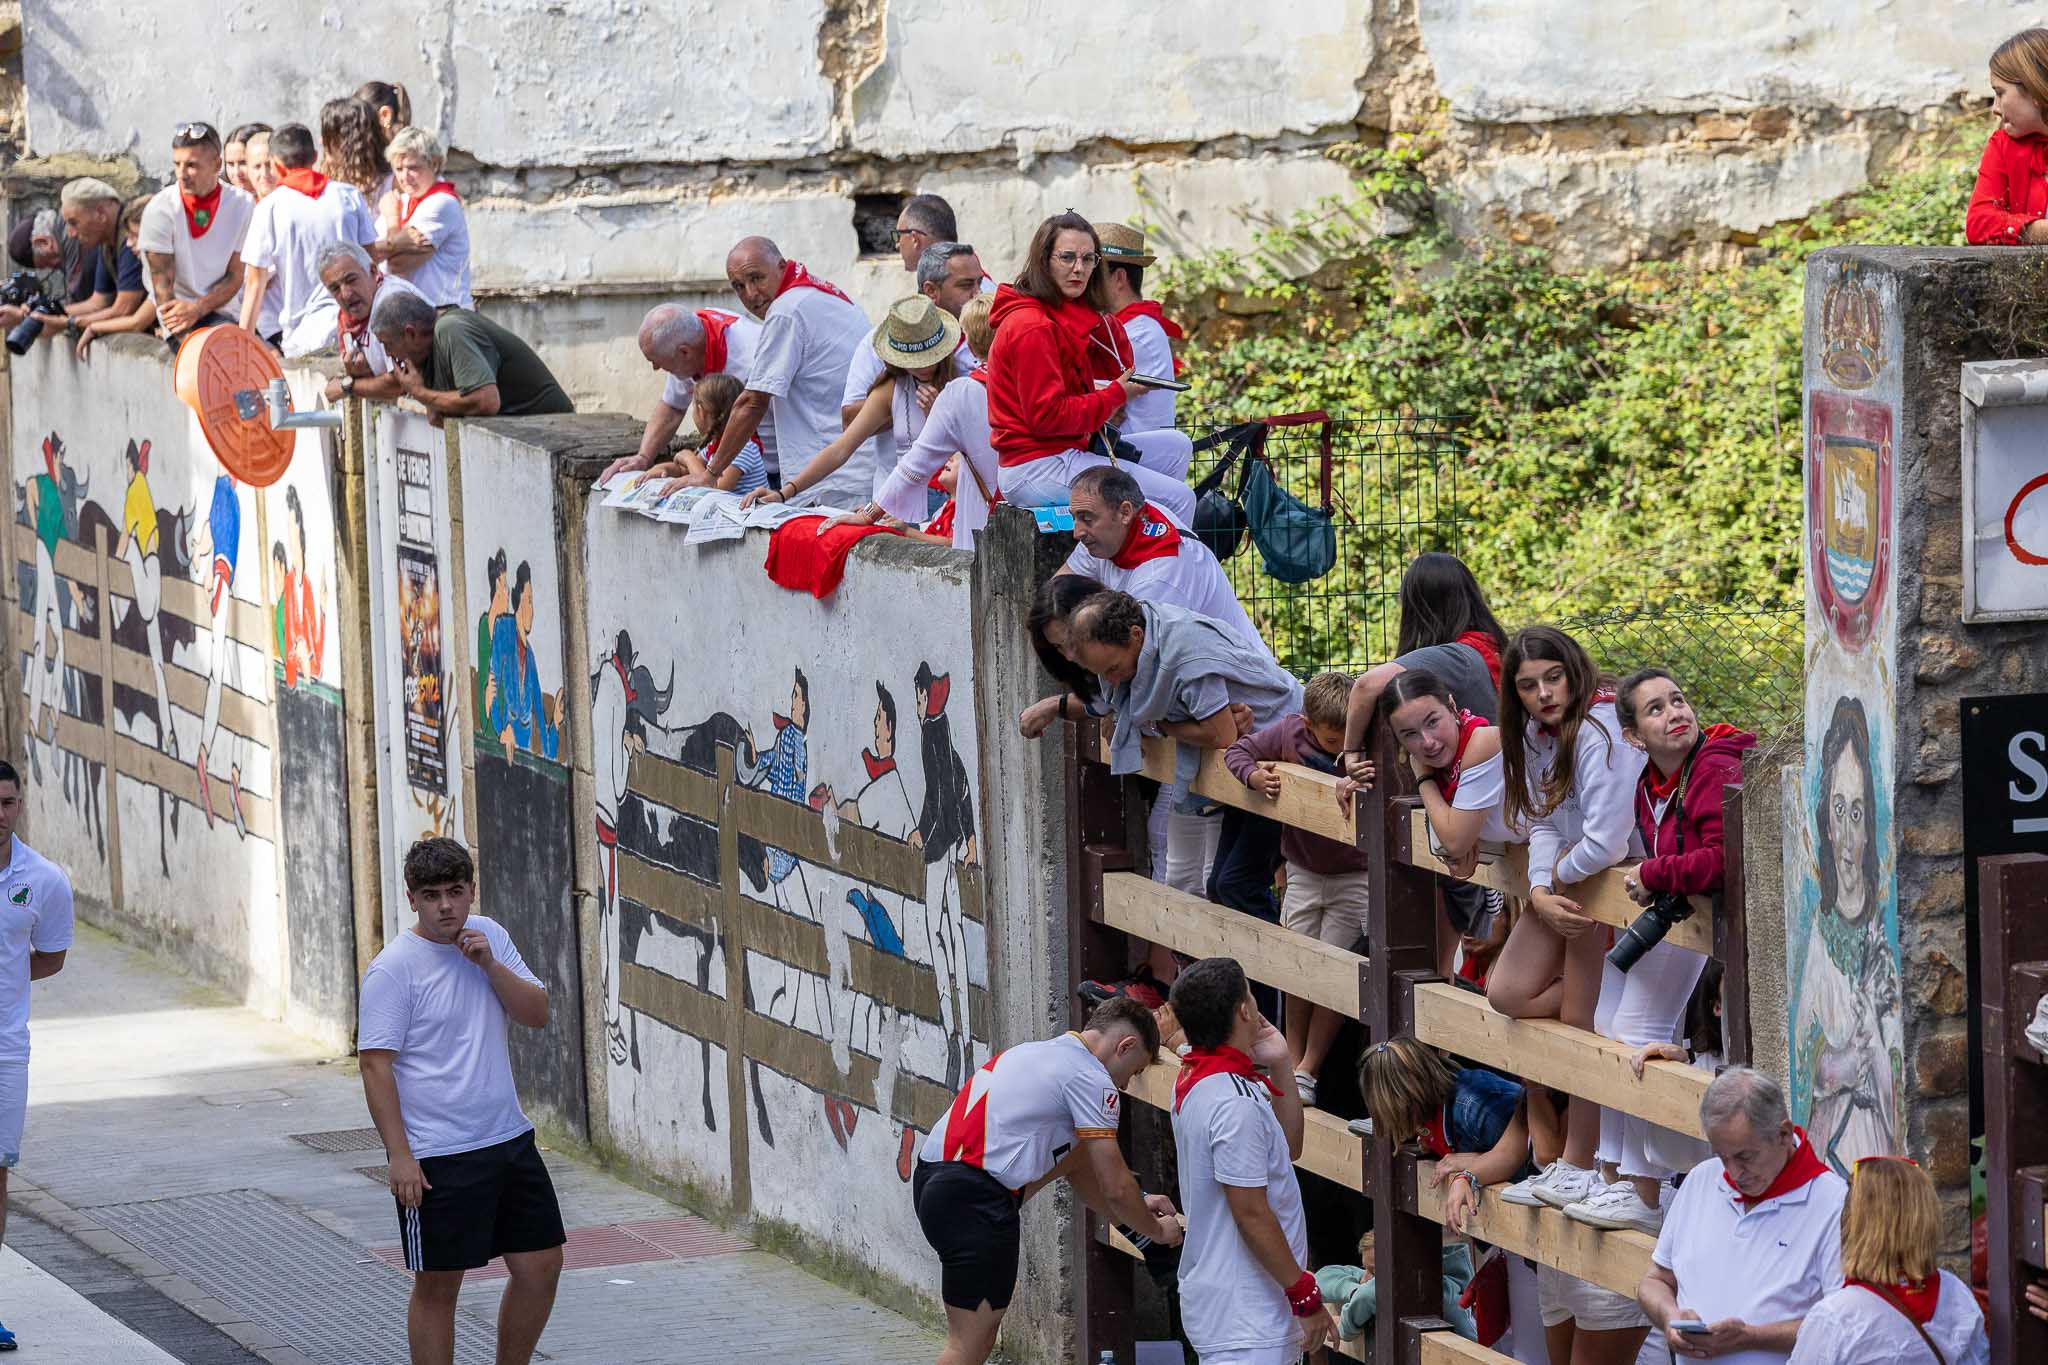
1617, 1206
1565, 1184
1523, 1191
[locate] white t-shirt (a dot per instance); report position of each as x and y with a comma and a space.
958, 421
1594, 827
1853, 1326
1189, 578
800, 362
1772, 1263
372, 350
1226, 1133
742, 336
35, 916
1152, 353
1026, 1109
435, 1008
198, 262
287, 233
443, 278
1484, 786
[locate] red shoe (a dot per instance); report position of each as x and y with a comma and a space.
1140, 986
906, 1154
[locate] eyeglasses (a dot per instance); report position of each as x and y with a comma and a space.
1087, 258
901, 233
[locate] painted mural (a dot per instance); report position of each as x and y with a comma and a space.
786, 818
1845, 1020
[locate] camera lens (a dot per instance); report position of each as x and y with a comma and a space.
24, 335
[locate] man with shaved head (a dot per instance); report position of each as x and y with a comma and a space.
808, 335
686, 345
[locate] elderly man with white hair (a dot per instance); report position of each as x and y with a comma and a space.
428, 240
1753, 1238
686, 345
101, 277
345, 272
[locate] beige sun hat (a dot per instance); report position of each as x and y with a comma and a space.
916, 334
1123, 245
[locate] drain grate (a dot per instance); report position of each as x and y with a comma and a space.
603, 1244
342, 1140
380, 1174
284, 1272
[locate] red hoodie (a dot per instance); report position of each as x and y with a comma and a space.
1697, 871
2012, 190
1042, 397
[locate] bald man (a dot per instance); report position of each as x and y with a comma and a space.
686, 345
808, 334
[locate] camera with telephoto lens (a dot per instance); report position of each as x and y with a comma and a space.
1668, 909
24, 289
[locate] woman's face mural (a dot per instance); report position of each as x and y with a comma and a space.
1848, 831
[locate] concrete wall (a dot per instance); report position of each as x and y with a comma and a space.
128, 666
1704, 127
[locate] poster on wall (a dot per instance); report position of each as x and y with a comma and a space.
419, 667
2005, 490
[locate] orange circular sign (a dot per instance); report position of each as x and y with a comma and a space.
223, 373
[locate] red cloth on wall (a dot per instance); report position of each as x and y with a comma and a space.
802, 560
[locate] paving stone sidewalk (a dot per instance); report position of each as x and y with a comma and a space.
164, 1171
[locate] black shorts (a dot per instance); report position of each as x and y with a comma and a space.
1469, 906
482, 1203
971, 1221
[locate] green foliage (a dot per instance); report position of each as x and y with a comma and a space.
1632, 438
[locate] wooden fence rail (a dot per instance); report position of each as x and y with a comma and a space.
2012, 946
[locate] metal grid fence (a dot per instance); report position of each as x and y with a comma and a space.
1395, 493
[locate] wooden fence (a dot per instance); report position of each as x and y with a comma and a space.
2012, 946
1394, 992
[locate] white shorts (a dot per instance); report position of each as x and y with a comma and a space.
1566, 1298
1326, 907
13, 1110
1253, 1355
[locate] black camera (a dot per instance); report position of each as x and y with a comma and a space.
1649, 929
24, 289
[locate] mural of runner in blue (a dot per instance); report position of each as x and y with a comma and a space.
520, 711
216, 554
789, 763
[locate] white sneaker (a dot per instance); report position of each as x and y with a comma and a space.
1305, 1086
1360, 1127
1616, 1206
1523, 1191
1565, 1184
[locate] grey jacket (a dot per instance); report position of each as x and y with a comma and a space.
1189, 663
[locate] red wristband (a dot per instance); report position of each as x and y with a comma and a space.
1305, 1298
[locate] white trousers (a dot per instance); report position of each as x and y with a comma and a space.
1645, 1004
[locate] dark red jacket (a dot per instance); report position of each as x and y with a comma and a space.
1697, 871
1042, 370
2012, 190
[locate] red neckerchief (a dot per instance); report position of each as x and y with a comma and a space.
1146, 308
1801, 1168
878, 767
438, 187
624, 681
979, 374
1603, 695
1200, 1063
356, 329
935, 696
201, 211
795, 276
1919, 1300
1468, 726
305, 180
1434, 1138
715, 324
1488, 650
942, 524
1152, 536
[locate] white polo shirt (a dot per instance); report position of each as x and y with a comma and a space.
807, 342
1771, 1263
742, 336
1151, 353
35, 916
287, 232
1226, 1133
1191, 577
443, 278
1019, 1115
198, 262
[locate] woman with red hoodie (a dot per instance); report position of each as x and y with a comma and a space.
1060, 371
2010, 202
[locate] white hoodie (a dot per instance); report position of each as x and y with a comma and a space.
1594, 827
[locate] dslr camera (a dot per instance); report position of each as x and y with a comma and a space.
24, 289
1648, 930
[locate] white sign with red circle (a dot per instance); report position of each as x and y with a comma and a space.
2005, 490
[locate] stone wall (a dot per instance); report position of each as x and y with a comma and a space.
1206, 119
1934, 310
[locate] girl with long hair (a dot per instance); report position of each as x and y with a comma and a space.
392, 105
352, 149
711, 402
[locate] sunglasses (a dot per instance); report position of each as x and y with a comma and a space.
194, 130
1862, 1161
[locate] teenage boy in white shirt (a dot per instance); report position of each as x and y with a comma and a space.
1247, 1297
469, 1181
305, 213
35, 933
191, 237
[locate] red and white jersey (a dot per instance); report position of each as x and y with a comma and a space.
1021, 1114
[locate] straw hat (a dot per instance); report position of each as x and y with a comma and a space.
1122, 245
916, 334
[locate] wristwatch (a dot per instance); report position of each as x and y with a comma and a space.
348, 386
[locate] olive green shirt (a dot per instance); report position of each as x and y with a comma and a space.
471, 351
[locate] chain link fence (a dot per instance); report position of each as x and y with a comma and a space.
1395, 492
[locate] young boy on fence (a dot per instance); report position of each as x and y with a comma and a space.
1325, 879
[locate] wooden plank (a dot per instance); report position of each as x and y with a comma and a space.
145, 764
1547, 1052
863, 855
1600, 896
674, 785
1612, 1260
1307, 800
242, 713
1448, 1348
248, 622
1329, 1148
1303, 966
